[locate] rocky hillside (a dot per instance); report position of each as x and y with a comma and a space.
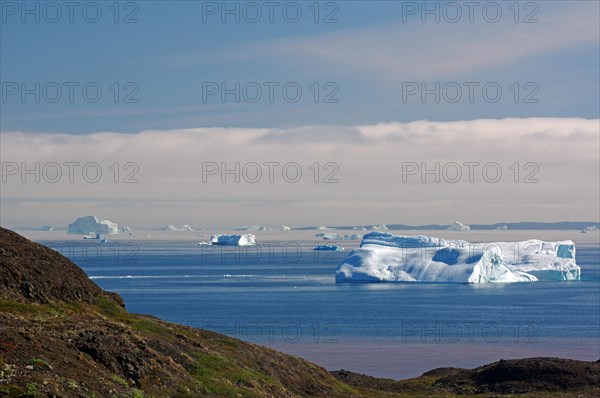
33, 273
62, 336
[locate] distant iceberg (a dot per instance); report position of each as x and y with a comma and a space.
172, 228
383, 257
252, 228
458, 226
380, 227
331, 236
284, 228
591, 228
233, 240
92, 225
502, 228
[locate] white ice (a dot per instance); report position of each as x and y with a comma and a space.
383, 257
172, 228
458, 226
233, 240
92, 224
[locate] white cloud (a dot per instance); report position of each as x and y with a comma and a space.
370, 187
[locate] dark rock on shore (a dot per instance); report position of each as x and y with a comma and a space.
33, 273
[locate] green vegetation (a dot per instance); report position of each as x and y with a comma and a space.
32, 390
137, 394
16, 307
221, 376
119, 380
40, 363
109, 307
112, 310
40, 311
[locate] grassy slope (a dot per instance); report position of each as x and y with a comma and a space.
86, 350
80, 349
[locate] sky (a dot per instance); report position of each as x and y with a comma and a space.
151, 113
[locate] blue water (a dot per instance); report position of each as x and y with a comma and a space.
288, 299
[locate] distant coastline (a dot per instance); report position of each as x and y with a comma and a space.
520, 226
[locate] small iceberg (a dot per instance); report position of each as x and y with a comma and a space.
458, 226
174, 228
97, 237
252, 228
333, 248
591, 228
380, 227
233, 240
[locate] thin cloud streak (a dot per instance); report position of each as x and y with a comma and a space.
442, 50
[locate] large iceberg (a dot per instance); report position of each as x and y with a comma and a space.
233, 240
91, 224
383, 257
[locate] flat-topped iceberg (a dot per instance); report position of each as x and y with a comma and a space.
233, 240
334, 248
383, 257
175, 228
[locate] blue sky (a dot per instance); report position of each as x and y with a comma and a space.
362, 76
372, 49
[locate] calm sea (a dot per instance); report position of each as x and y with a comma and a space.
283, 295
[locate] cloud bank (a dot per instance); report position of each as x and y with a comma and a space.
414, 173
